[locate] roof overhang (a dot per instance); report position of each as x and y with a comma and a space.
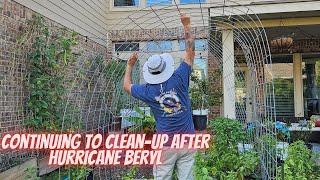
266, 7
272, 14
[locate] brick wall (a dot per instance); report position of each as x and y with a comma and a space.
13, 78
155, 34
213, 68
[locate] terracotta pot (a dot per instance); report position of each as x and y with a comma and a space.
317, 123
281, 42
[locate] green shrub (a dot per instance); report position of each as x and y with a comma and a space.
299, 164
131, 174
223, 160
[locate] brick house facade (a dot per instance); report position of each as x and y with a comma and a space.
13, 75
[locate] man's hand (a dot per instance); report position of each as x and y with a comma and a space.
127, 76
189, 38
132, 60
185, 20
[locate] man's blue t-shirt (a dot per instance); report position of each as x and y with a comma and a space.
169, 102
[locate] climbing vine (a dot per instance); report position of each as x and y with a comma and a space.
48, 62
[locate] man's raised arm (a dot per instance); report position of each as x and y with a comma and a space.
127, 83
189, 38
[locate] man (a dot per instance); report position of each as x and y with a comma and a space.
166, 92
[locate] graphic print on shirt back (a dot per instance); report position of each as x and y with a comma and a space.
170, 103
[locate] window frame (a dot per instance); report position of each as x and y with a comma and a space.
196, 1
158, 3
134, 44
136, 6
143, 6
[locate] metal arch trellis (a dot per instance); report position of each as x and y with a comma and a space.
252, 41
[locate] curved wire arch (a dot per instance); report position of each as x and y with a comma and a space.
253, 44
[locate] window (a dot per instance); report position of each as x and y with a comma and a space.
159, 46
126, 3
200, 67
282, 76
200, 45
191, 1
158, 2
126, 47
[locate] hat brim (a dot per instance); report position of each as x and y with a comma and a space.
163, 76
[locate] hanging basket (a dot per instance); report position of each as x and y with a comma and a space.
282, 43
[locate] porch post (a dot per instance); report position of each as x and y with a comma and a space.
298, 85
228, 74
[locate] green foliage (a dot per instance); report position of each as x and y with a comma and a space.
131, 174
202, 166
299, 164
31, 174
72, 173
228, 132
144, 122
223, 160
202, 94
48, 61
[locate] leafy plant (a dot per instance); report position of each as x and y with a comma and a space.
143, 122
72, 173
223, 159
298, 164
267, 146
48, 63
31, 173
202, 93
131, 174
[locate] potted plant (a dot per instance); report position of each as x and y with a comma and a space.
202, 97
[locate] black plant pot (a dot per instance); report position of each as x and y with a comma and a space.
200, 122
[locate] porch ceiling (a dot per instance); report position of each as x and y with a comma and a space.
287, 58
297, 32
